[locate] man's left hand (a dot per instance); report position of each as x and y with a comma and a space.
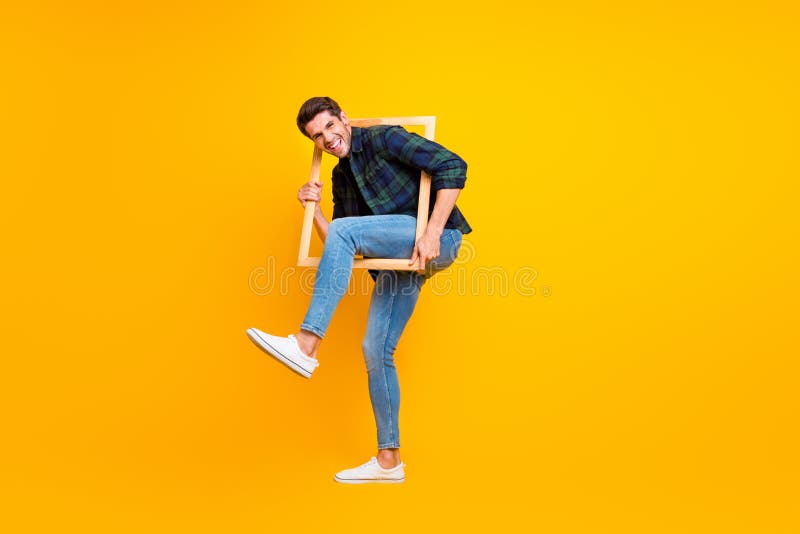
426, 248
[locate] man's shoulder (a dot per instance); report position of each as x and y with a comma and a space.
379, 131
382, 137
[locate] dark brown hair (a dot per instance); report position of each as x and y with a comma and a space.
313, 107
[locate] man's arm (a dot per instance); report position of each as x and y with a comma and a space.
427, 246
448, 174
313, 191
446, 168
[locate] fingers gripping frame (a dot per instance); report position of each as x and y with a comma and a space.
304, 260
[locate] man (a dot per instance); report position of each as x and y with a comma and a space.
375, 196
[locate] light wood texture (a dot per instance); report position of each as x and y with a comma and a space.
391, 264
304, 260
308, 215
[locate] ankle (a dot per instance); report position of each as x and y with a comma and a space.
388, 458
308, 343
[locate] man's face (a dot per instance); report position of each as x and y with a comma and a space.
331, 133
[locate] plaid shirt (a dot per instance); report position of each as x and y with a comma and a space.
386, 162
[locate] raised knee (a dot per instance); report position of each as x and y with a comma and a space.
339, 226
333, 227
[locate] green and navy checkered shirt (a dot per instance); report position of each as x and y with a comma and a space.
386, 162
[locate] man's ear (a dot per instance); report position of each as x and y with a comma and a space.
343, 116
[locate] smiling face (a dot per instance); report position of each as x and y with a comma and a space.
330, 133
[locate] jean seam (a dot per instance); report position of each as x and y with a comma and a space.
327, 294
383, 369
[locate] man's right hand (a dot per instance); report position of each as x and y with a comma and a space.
310, 191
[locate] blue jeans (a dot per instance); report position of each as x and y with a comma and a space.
393, 299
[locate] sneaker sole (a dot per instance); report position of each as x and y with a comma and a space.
264, 345
369, 480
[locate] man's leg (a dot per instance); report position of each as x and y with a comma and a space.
393, 300
381, 236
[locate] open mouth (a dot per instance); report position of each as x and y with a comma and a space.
334, 147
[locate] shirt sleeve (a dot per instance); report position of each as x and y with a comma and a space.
446, 169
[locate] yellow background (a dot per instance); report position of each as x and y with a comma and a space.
640, 157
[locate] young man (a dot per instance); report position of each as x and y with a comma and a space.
375, 197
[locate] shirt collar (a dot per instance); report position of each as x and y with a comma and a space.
355, 140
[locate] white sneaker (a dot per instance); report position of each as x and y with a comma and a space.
285, 350
372, 472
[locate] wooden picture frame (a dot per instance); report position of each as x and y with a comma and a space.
304, 260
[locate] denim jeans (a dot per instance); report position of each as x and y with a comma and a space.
393, 299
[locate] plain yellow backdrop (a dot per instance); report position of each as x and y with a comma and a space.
616, 350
